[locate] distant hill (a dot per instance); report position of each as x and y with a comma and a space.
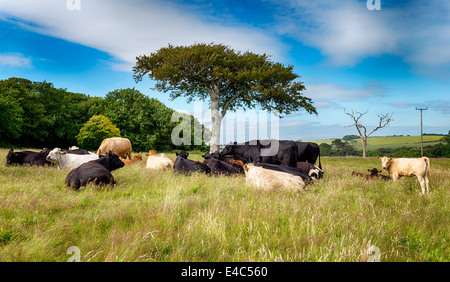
390, 142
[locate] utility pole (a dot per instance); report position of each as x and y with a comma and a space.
421, 129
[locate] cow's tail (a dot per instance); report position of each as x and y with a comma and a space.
320, 165
427, 167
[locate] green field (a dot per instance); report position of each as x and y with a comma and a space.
161, 216
390, 142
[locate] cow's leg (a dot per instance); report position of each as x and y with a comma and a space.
427, 183
422, 183
394, 176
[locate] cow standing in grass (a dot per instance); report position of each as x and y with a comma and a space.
408, 166
118, 145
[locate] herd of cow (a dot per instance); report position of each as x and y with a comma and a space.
290, 167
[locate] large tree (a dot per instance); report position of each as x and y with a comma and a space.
229, 79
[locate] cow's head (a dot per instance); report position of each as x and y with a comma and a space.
183, 154
385, 162
137, 158
215, 155
374, 171
315, 173
151, 153
114, 161
10, 158
55, 155
229, 149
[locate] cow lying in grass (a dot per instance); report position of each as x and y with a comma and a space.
28, 158
408, 166
311, 170
221, 165
271, 179
97, 171
183, 165
374, 173
157, 161
63, 159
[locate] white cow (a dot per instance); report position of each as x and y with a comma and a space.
66, 160
157, 161
408, 166
270, 179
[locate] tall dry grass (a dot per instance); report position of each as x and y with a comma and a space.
162, 216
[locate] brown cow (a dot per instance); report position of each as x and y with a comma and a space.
118, 145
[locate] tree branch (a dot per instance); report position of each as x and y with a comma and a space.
227, 104
383, 122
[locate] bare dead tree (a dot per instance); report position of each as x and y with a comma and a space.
383, 121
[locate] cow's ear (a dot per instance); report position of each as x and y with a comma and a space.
234, 143
379, 158
175, 154
63, 153
147, 154
390, 159
187, 154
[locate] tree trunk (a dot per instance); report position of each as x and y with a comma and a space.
364, 144
216, 118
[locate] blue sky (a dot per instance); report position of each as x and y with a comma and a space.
349, 57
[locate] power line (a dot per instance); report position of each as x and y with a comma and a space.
421, 129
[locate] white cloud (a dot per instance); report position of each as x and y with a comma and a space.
338, 92
14, 60
126, 29
346, 32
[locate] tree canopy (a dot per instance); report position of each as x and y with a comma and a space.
227, 78
38, 115
97, 128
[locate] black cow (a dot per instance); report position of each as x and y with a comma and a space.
227, 158
375, 172
28, 158
96, 171
308, 152
218, 166
292, 170
183, 165
285, 155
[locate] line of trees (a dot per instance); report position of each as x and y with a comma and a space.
38, 115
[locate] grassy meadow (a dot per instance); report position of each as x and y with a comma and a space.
161, 216
391, 142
